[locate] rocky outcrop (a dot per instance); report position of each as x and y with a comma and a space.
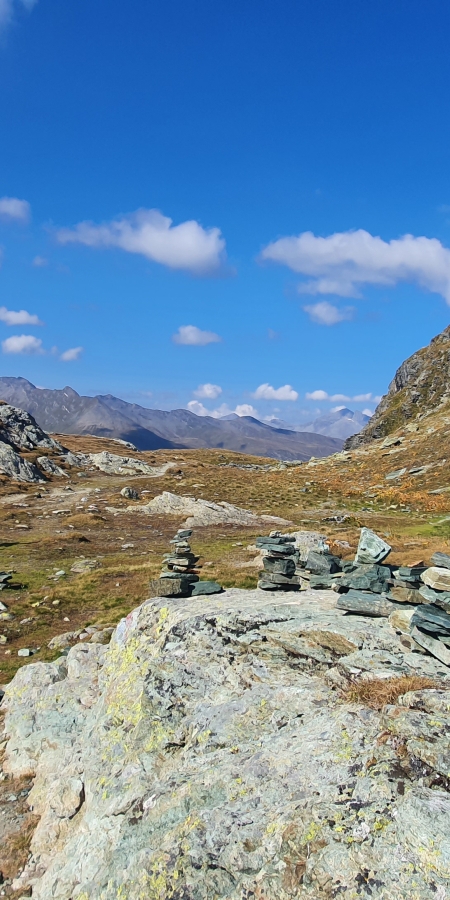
13, 466
21, 431
208, 753
202, 512
112, 464
420, 385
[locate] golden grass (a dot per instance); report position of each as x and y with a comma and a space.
16, 846
379, 692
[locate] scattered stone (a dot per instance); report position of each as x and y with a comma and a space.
81, 566
392, 476
130, 493
25, 652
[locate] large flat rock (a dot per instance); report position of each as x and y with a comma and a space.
207, 754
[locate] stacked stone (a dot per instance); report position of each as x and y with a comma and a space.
430, 622
180, 577
280, 564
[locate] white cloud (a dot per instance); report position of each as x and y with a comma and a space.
196, 407
325, 313
22, 343
72, 354
12, 207
40, 261
368, 412
323, 395
21, 317
209, 391
7, 10
195, 337
186, 246
246, 409
242, 409
267, 392
341, 263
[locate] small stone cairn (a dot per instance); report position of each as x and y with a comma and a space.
180, 577
416, 599
280, 563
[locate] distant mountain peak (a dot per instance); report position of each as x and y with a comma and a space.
66, 411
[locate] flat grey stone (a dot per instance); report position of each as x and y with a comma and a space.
206, 587
366, 604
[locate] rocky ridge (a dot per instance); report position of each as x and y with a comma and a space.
420, 386
20, 432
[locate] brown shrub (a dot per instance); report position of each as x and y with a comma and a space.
377, 692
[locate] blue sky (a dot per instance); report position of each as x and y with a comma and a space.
207, 204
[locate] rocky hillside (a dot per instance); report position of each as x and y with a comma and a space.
420, 386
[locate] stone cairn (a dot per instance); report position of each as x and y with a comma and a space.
180, 577
416, 599
280, 563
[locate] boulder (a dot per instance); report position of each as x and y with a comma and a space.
130, 493
21, 431
201, 512
371, 548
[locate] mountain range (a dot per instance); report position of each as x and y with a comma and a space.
67, 412
340, 423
